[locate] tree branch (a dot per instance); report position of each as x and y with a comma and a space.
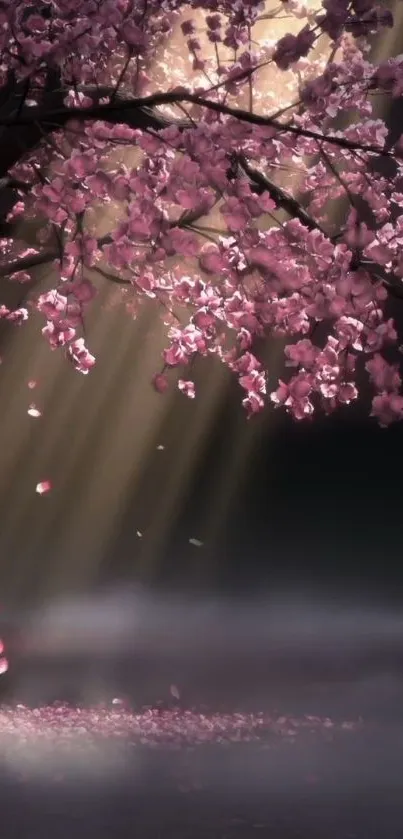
282, 198
52, 114
139, 113
393, 284
26, 262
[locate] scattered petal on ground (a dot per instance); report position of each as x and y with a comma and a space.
153, 726
58, 742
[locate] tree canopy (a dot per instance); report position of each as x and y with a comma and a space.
240, 217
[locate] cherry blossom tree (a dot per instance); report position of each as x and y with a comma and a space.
227, 218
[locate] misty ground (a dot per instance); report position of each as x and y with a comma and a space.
289, 732
347, 786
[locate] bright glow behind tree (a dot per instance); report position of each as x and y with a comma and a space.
224, 217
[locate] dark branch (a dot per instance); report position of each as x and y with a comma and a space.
43, 258
282, 198
139, 113
25, 263
292, 207
23, 128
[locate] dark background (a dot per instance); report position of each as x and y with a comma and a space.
317, 508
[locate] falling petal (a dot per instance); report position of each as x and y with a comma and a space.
174, 691
43, 487
34, 412
3, 665
196, 542
160, 448
139, 533
32, 384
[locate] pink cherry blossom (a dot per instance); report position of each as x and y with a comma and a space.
79, 356
387, 408
385, 376
160, 382
303, 353
246, 364
220, 210
187, 388
58, 337
253, 403
14, 315
211, 260
295, 396
292, 47
347, 392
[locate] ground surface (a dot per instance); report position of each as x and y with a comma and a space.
210, 757
111, 773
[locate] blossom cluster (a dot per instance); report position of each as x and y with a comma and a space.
274, 266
